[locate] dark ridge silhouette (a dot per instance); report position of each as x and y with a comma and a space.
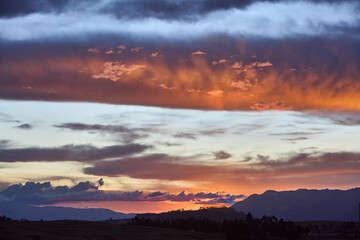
237, 229
214, 214
33, 213
304, 205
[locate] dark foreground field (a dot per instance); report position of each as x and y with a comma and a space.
71, 230
66, 230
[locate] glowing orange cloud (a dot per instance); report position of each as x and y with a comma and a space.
236, 82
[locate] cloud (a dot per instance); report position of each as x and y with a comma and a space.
156, 166
25, 126
199, 53
277, 105
93, 50
287, 170
220, 155
44, 193
346, 118
80, 153
326, 76
116, 70
136, 49
185, 135
262, 18
127, 134
4, 143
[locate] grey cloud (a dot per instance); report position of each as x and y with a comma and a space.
166, 19
45, 193
25, 126
346, 118
7, 118
4, 143
165, 167
220, 155
158, 166
313, 162
127, 134
185, 135
81, 153
194, 135
295, 139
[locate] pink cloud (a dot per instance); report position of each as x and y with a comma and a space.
218, 62
156, 54
264, 64
115, 70
199, 53
109, 52
137, 49
121, 46
93, 50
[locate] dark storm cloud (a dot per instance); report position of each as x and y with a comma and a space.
11, 8
166, 19
80, 153
45, 193
127, 134
163, 9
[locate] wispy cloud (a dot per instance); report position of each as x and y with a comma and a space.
79, 153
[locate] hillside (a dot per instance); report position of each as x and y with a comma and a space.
59, 213
304, 205
213, 214
71, 230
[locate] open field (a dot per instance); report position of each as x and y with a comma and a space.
71, 230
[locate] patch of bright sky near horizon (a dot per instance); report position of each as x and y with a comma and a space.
239, 133
262, 19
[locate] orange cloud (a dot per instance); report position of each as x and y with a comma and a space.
121, 47
199, 53
239, 83
93, 50
115, 70
137, 49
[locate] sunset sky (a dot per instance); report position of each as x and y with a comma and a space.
154, 105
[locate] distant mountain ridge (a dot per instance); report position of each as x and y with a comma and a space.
304, 205
33, 213
213, 214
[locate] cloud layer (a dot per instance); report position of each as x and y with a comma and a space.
44, 193
79, 153
275, 19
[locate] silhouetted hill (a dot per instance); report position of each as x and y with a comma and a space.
304, 205
213, 214
59, 213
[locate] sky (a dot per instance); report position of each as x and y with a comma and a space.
150, 106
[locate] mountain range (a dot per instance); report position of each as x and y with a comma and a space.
59, 213
304, 205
